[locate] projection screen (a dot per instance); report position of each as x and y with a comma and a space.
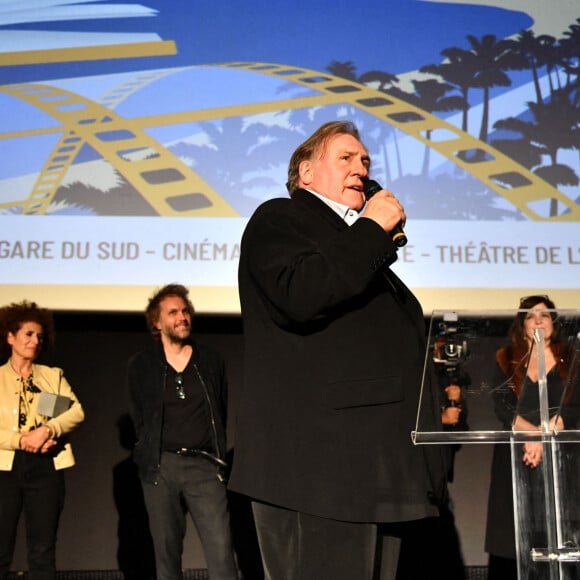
137, 139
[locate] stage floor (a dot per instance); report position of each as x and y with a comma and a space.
473, 573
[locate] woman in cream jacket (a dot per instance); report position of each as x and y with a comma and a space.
38, 408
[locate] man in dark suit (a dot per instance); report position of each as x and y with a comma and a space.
334, 354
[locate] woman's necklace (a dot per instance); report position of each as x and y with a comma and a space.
26, 421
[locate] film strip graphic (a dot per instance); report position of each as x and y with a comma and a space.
173, 189
502, 174
133, 84
161, 178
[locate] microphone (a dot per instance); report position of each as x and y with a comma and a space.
397, 234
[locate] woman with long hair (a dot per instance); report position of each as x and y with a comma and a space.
517, 405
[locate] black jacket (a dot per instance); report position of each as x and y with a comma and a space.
146, 376
335, 348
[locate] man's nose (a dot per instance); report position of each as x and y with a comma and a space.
360, 168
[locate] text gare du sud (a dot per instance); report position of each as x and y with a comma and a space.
205, 250
106, 250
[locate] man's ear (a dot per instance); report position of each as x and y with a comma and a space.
306, 172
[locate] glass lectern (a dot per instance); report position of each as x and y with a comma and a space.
546, 497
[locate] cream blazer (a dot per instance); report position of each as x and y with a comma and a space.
49, 380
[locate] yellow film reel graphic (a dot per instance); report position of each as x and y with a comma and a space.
172, 188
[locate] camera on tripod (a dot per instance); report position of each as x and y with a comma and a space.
450, 350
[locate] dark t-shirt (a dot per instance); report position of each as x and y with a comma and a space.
186, 421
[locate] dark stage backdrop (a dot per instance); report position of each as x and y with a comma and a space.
138, 138
104, 526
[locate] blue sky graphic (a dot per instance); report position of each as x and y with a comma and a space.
390, 35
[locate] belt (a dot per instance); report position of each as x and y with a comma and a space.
189, 452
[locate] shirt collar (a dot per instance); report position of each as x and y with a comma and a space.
346, 213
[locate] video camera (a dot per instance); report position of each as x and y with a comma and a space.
450, 350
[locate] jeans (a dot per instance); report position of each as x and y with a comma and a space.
34, 488
189, 484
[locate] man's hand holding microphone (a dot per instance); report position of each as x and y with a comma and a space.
385, 209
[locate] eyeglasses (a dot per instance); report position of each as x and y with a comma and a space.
540, 297
179, 385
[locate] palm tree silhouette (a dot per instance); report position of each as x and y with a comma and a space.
430, 95
533, 49
555, 127
570, 53
459, 70
492, 59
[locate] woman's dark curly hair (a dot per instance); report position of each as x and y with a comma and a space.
14, 315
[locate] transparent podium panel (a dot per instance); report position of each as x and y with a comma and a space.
484, 382
547, 508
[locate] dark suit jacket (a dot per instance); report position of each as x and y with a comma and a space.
334, 355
